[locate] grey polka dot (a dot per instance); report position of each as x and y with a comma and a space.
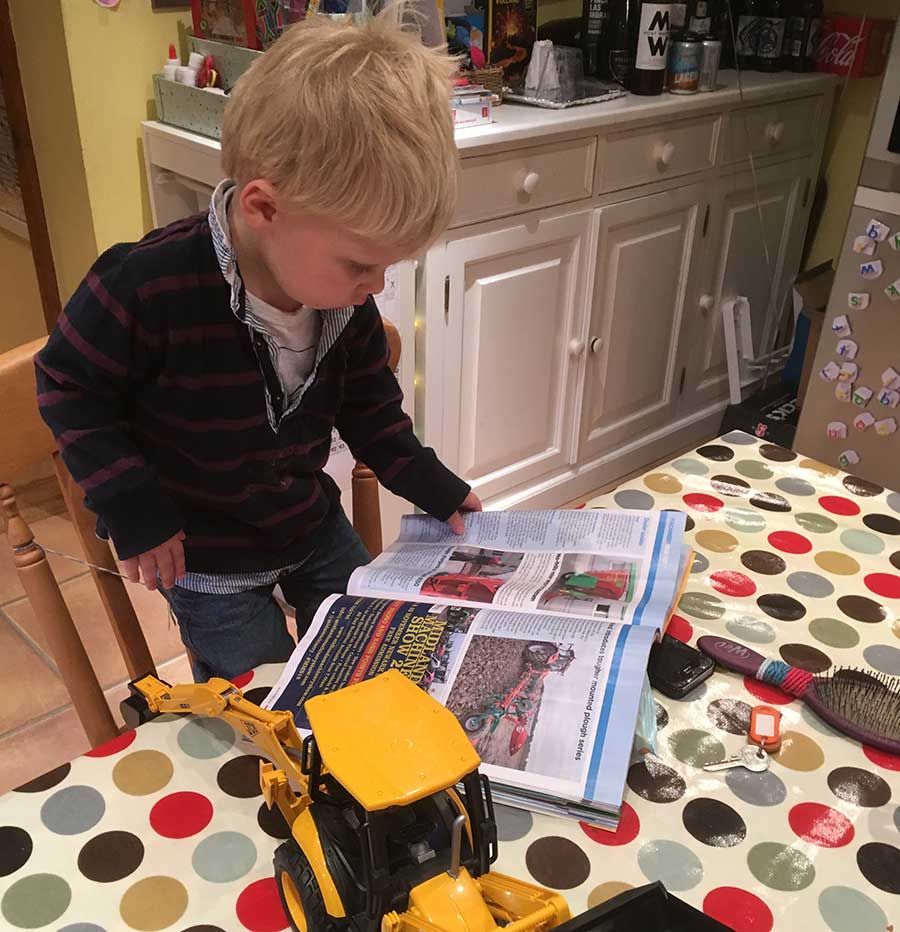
700, 564
744, 521
893, 501
512, 823
691, 467
73, 810
757, 789
224, 856
205, 738
884, 658
810, 584
790, 485
739, 439
834, 633
633, 498
845, 909
675, 865
753, 469
861, 541
82, 927
748, 628
897, 818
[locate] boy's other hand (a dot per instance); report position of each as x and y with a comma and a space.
166, 560
471, 503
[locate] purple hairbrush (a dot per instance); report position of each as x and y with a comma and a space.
859, 703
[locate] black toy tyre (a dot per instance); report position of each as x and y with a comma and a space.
299, 889
135, 711
474, 723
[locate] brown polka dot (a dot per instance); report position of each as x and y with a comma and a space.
713, 823
204, 928
239, 777
153, 903
764, 562
272, 822
716, 452
45, 781
861, 608
805, 657
879, 863
662, 715
142, 772
860, 787
821, 468
689, 523
257, 694
716, 541
862, 487
557, 862
883, 524
110, 856
731, 715
799, 752
895, 559
653, 780
782, 607
840, 564
663, 483
730, 486
606, 891
769, 501
776, 454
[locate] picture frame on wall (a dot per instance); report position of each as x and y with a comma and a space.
170, 4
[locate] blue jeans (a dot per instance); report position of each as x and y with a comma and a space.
230, 634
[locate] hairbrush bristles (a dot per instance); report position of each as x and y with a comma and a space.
867, 701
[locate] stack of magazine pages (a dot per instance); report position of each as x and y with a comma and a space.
532, 627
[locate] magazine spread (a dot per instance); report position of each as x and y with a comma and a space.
549, 700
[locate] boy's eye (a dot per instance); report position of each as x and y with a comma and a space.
358, 269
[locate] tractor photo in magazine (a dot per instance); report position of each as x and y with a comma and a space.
587, 584
473, 574
497, 694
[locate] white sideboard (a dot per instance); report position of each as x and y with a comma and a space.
566, 329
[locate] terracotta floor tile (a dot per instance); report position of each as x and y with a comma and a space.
56, 532
83, 601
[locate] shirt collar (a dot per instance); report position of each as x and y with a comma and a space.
221, 236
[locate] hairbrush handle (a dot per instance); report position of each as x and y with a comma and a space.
730, 654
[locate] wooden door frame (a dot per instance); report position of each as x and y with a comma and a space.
35, 218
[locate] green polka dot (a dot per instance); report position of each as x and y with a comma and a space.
780, 867
702, 605
35, 901
205, 738
745, 521
675, 865
695, 747
748, 628
224, 856
815, 523
861, 541
834, 633
845, 909
690, 467
752, 469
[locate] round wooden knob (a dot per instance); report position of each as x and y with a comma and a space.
530, 182
664, 154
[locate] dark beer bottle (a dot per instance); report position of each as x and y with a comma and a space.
747, 33
617, 63
700, 20
802, 37
654, 22
594, 17
770, 39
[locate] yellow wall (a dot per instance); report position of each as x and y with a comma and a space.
21, 315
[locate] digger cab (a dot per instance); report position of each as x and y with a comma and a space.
384, 762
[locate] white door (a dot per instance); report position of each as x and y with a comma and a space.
754, 242
514, 304
644, 277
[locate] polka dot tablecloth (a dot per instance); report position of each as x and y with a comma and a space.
165, 828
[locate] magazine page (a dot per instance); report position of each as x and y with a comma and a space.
549, 703
609, 565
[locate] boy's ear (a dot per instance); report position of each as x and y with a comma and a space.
258, 203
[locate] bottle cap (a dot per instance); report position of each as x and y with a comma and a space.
173, 55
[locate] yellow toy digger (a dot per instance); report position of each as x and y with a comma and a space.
381, 840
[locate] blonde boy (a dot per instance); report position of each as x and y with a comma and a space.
194, 378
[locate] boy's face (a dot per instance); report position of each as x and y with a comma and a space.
317, 262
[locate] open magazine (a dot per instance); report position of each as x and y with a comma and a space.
533, 628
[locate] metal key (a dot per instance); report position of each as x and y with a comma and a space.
754, 759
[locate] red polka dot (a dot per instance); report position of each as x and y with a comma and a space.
838, 505
730, 582
180, 815
700, 501
680, 629
582, 505
821, 825
113, 746
738, 909
766, 693
629, 826
886, 584
259, 909
242, 680
882, 758
789, 542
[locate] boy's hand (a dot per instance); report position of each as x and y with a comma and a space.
472, 503
167, 559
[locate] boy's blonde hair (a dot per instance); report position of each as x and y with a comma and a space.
351, 123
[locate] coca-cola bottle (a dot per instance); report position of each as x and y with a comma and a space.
617, 62
594, 19
770, 39
654, 23
748, 24
802, 36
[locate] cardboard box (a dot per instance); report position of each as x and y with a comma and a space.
853, 45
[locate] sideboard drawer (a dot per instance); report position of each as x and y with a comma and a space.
787, 128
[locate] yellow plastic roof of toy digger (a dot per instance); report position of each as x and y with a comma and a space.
388, 743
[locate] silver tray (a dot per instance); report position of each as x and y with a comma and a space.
611, 94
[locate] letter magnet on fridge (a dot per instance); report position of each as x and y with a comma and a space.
858, 300
864, 246
886, 427
837, 430
877, 231
843, 391
862, 396
848, 349
848, 458
830, 372
840, 326
871, 269
863, 421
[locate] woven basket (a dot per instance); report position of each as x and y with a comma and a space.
490, 78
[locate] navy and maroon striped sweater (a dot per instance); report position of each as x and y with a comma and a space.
156, 395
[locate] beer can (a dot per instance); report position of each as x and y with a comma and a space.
709, 64
685, 54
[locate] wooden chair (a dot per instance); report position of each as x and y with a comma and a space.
31, 444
